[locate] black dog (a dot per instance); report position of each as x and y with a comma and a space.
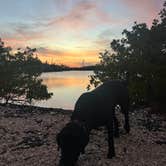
93, 109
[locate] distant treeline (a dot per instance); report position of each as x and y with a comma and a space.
54, 67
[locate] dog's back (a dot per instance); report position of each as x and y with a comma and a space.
95, 107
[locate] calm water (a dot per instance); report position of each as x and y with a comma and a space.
66, 88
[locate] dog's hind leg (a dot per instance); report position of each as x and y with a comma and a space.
111, 149
116, 127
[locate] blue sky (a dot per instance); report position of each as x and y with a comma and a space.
70, 31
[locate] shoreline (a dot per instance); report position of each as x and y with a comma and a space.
36, 109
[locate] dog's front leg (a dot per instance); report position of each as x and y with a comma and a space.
111, 149
127, 125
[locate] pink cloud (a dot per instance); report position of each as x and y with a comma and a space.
20, 40
146, 10
22, 35
83, 15
47, 51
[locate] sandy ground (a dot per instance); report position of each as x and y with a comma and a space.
28, 138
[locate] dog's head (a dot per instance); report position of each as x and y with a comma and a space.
71, 140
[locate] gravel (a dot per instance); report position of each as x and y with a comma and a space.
28, 138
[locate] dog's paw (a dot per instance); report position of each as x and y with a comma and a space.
127, 128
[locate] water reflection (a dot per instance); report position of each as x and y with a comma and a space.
66, 86
64, 82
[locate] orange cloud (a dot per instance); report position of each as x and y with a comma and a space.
73, 59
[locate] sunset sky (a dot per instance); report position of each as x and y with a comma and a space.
71, 32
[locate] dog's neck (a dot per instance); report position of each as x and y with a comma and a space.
82, 125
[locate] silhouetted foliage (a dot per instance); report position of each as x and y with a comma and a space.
46, 67
19, 74
140, 58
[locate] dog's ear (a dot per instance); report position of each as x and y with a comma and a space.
84, 141
61, 138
